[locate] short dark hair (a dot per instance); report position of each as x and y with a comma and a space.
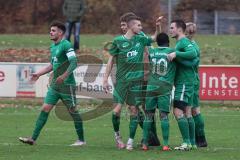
162, 39
59, 25
180, 24
129, 18
126, 15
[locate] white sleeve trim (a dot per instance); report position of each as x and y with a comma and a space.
71, 54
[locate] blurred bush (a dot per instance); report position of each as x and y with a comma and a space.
34, 16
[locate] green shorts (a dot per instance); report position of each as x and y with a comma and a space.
66, 93
184, 92
195, 102
130, 93
158, 95
163, 103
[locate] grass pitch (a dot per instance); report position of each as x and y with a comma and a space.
222, 131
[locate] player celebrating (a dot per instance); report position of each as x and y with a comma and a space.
153, 139
63, 62
184, 83
160, 83
128, 50
197, 116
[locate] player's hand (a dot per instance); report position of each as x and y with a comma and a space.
171, 56
34, 77
106, 86
59, 80
159, 20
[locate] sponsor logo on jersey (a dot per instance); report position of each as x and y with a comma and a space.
137, 45
125, 44
55, 60
132, 54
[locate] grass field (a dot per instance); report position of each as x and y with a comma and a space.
222, 49
222, 130
17, 117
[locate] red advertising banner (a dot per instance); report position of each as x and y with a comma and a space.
219, 82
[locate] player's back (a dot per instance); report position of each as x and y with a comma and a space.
161, 68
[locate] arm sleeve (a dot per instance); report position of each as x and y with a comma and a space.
113, 48
147, 40
189, 63
72, 65
188, 53
71, 55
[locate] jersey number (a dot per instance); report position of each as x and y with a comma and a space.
159, 66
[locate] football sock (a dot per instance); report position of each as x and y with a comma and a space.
191, 130
165, 130
115, 122
78, 124
42, 119
184, 129
140, 119
199, 125
133, 126
147, 124
153, 126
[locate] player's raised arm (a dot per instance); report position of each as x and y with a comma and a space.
158, 28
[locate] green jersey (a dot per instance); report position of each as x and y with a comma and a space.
129, 56
185, 51
61, 53
161, 68
195, 45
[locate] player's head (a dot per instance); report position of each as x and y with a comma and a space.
177, 28
57, 30
134, 24
123, 21
191, 29
162, 40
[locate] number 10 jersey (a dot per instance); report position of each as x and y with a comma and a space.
161, 69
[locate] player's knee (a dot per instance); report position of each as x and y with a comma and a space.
163, 115
178, 113
188, 112
180, 105
149, 115
133, 111
72, 110
47, 107
117, 109
195, 111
